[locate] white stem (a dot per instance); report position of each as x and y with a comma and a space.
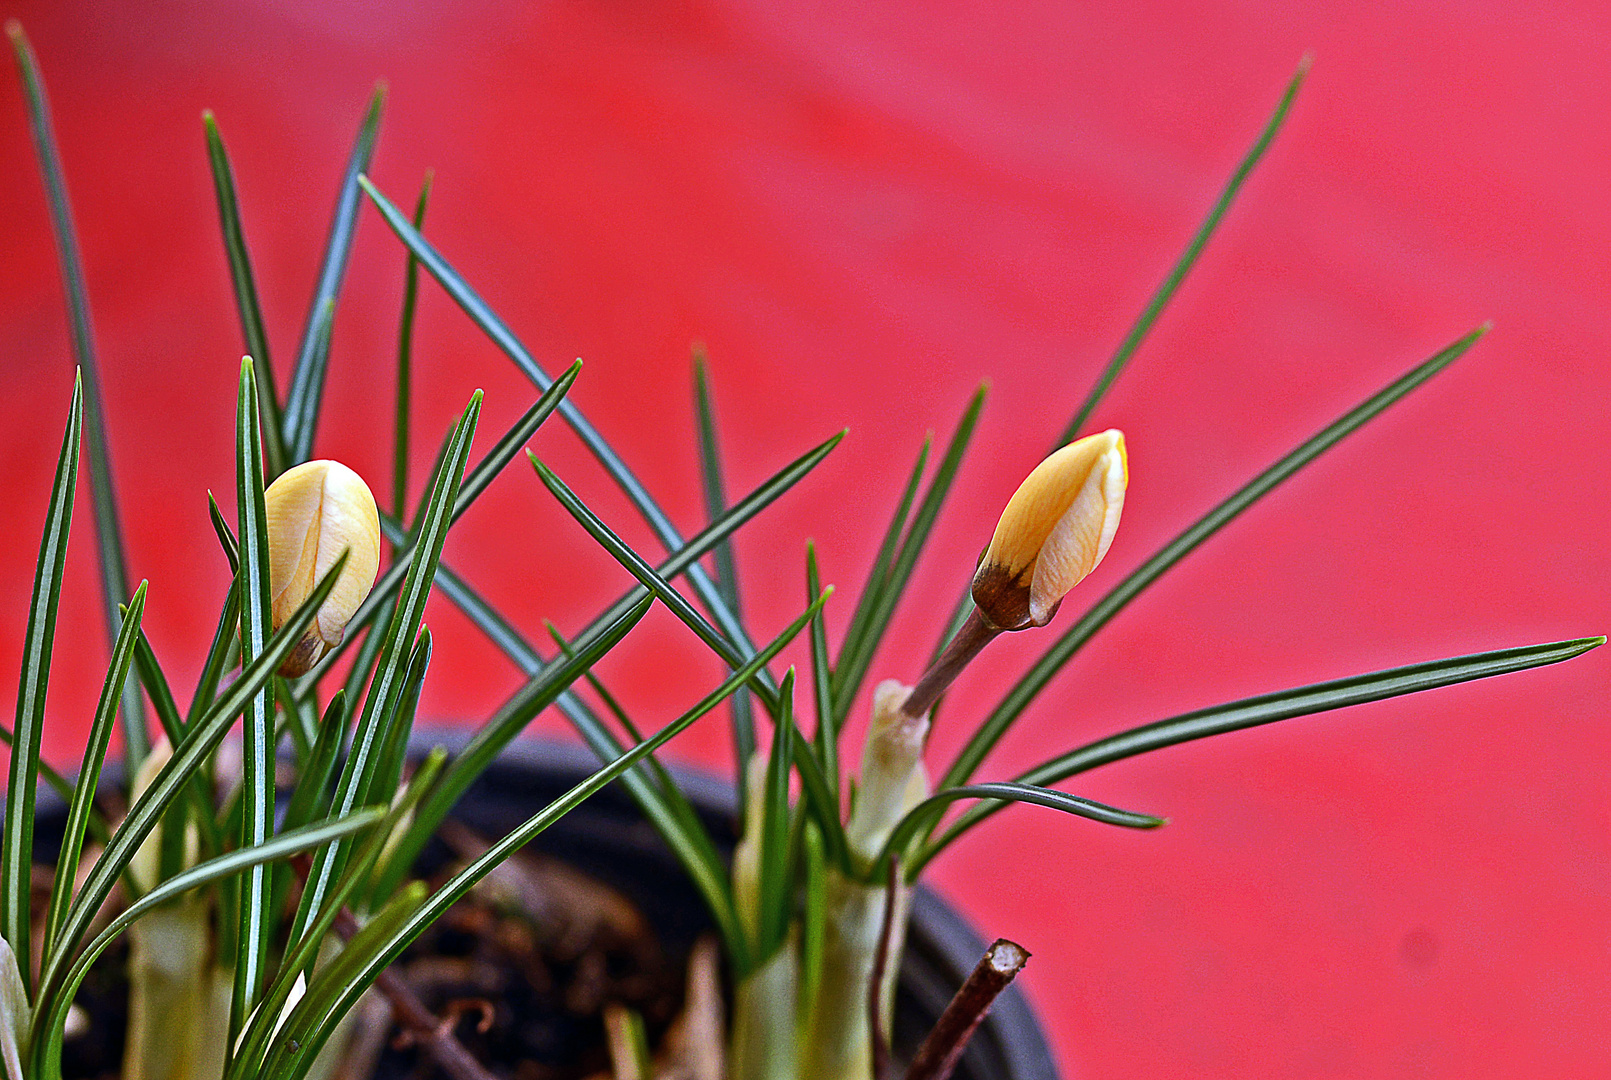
838, 1040
764, 1035
838, 1037
178, 1000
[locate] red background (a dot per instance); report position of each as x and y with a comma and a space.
864, 210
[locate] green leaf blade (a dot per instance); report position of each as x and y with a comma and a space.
851, 670
257, 729
244, 283
405, 362
17, 843
1281, 705
1166, 291
715, 491
108, 531
387, 685
1074, 638
206, 733
307, 375
96, 742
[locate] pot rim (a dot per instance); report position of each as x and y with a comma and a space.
940, 933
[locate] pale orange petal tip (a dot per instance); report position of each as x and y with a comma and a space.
316, 511
1055, 530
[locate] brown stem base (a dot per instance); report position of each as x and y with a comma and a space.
974, 635
941, 1051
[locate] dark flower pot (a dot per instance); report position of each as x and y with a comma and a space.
608, 838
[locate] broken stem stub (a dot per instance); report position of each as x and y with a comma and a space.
943, 1048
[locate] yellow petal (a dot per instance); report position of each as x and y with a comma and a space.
1054, 531
1082, 535
316, 511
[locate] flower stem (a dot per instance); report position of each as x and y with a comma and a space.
941, 1051
974, 635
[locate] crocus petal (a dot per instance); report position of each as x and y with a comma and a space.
1081, 536
1055, 529
348, 523
316, 511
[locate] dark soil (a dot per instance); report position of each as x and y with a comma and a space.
524, 966
528, 971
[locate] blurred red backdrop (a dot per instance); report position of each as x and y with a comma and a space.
864, 210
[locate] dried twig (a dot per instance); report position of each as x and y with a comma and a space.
431, 1033
875, 989
941, 1051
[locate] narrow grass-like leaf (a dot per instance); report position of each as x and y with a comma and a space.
257, 729
506, 448
860, 625
1166, 291
62, 786
173, 726
17, 844
218, 656
156, 686
854, 661
715, 489
386, 687
302, 412
777, 863
1155, 306
363, 666
315, 1017
698, 545
226, 535
662, 803
108, 533
301, 953
474, 483
510, 719
307, 376
827, 737
500, 334
1269, 708
89, 774
246, 302
639, 568
923, 816
1018, 698
300, 720
394, 748
688, 838
205, 735
52, 1015
310, 799
355, 982
405, 363
642, 788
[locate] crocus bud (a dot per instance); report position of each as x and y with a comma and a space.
316, 511
1056, 528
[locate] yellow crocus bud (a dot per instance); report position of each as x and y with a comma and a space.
316, 511
1055, 530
